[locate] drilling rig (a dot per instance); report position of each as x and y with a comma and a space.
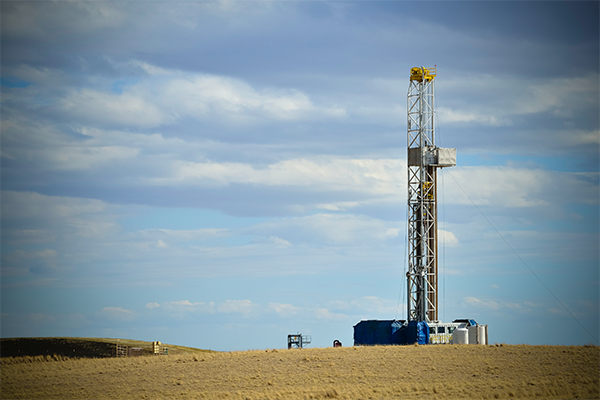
424, 159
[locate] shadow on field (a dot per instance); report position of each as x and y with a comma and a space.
66, 347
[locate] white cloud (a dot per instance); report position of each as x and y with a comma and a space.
338, 206
578, 137
383, 176
77, 158
392, 232
38, 75
181, 235
448, 115
17, 205
183, 303
92, 227
447, 238
165, 96
473, 301
325, 314
206, 93
562, 96
336, 310
515, 96
279, 242
330, 228
88, 105
203, 96
47, 146
497, 185
513, 306
284, 310
179, 308
384, 181
519, 187
60, 218
244, 307
148, 68
116, 314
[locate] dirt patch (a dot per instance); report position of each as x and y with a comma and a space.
386, 372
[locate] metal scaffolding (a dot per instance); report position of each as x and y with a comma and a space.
298, 341
424, 158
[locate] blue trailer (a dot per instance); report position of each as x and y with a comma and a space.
390, 332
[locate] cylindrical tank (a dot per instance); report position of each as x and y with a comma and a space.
460, 336
481, 334
472, 334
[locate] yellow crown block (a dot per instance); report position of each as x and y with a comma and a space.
420, 74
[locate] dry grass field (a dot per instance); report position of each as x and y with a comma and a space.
385, 372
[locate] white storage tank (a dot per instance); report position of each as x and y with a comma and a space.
473, 334
460, 336
482, 334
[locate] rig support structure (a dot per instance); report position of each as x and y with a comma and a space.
298, 341
424, 159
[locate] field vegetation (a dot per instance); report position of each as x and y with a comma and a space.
381, 372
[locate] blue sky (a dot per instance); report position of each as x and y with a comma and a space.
221, 174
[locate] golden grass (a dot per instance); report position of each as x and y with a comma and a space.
385, 372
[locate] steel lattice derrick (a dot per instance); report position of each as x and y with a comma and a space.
422, 223
424, 158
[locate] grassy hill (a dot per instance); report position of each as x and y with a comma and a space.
78, 347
